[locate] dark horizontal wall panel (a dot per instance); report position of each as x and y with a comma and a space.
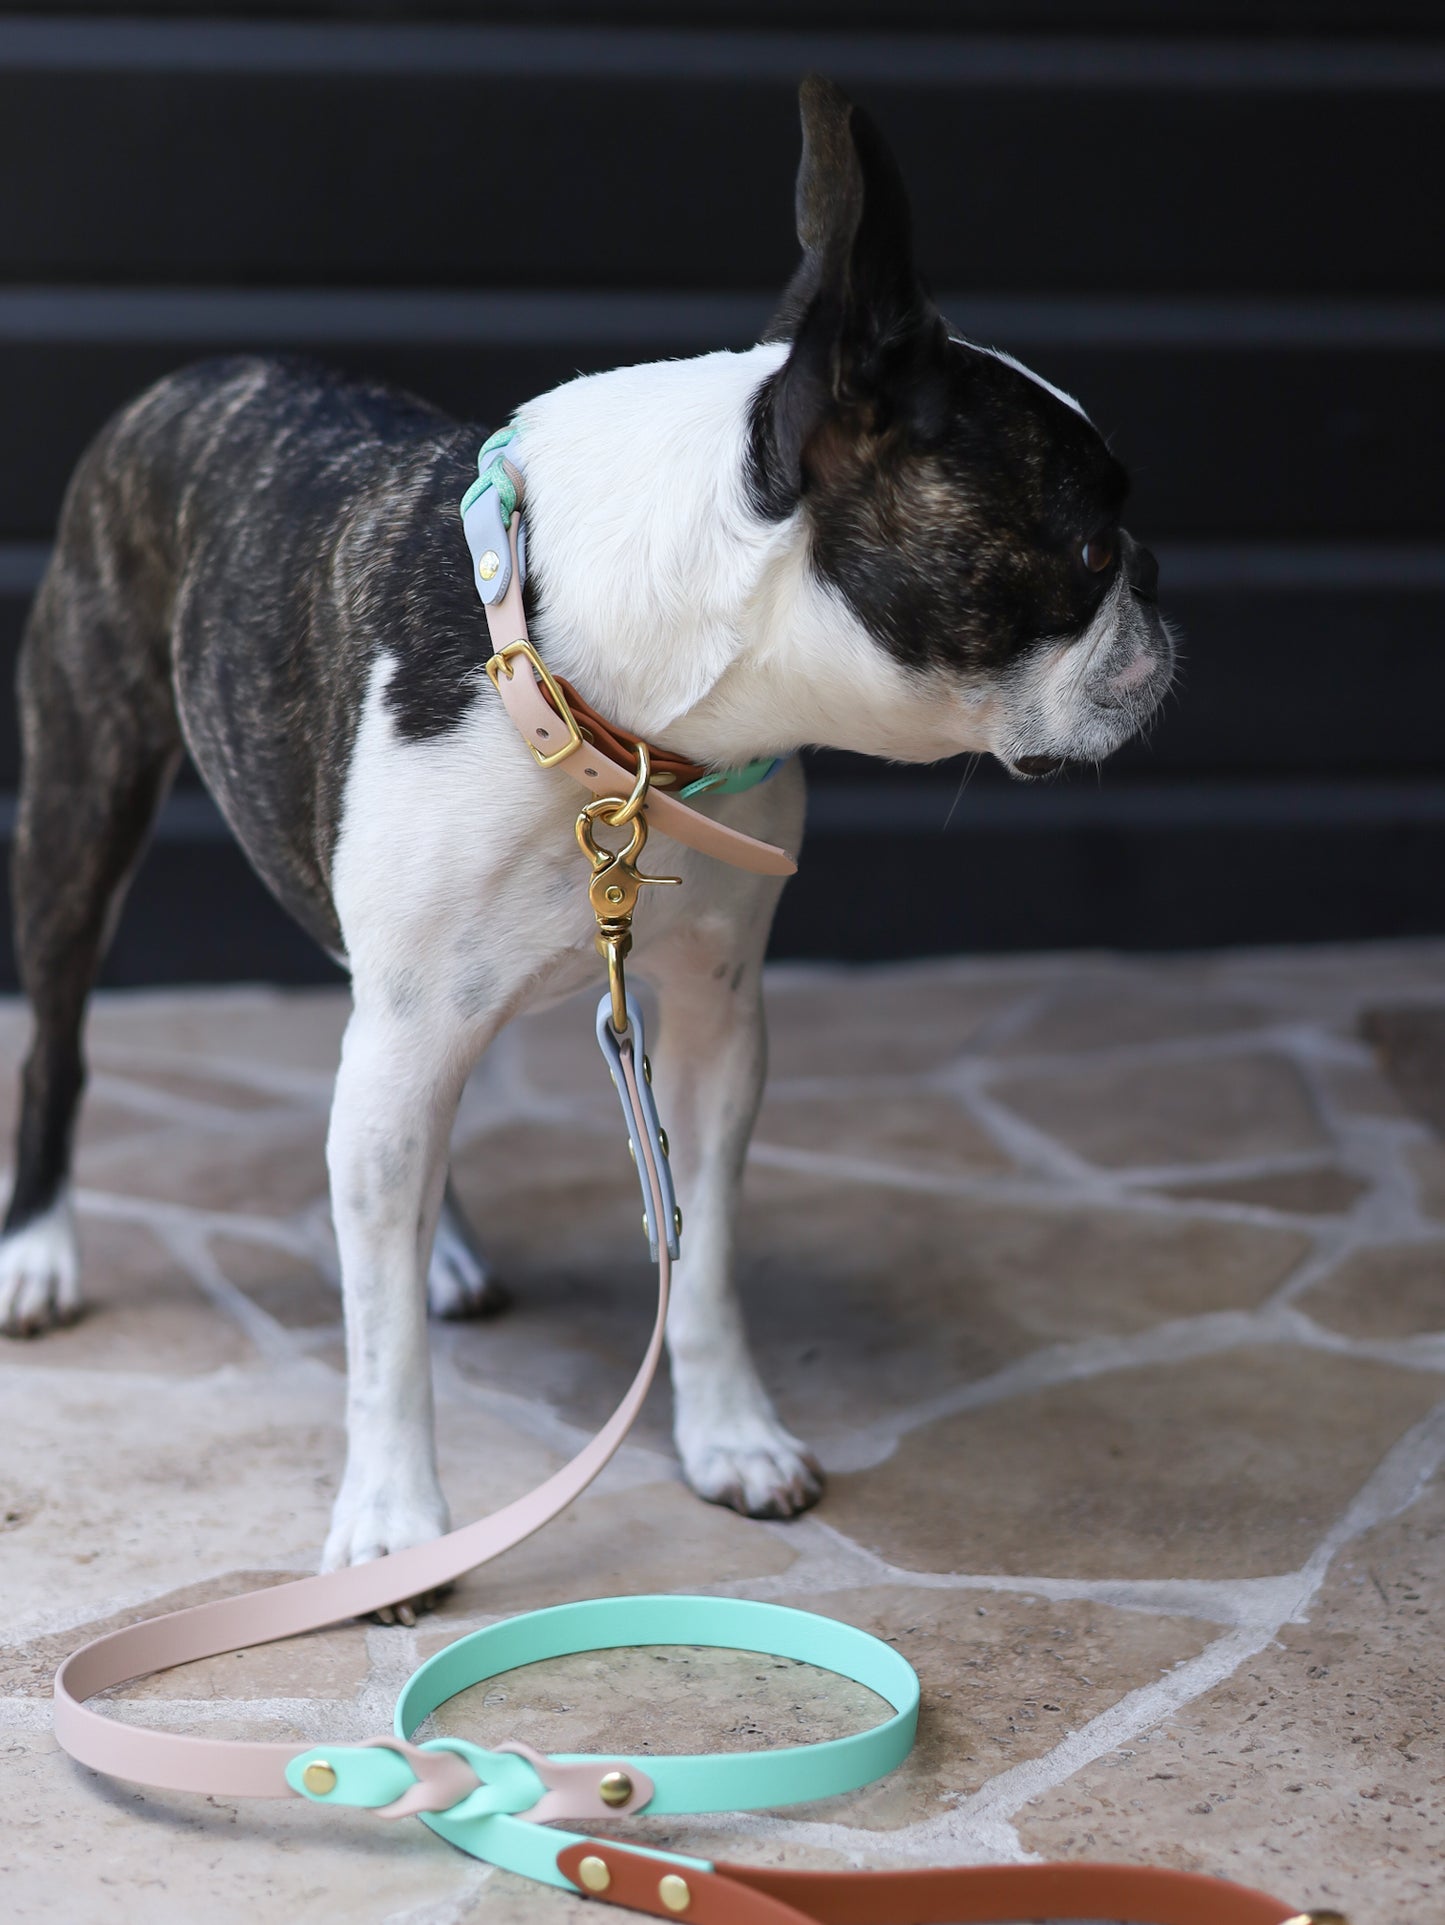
311, 153
1118, 886
1302, 681
197, 912
1291, 442
903, 16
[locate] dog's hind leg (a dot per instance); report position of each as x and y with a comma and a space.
710, 1059
100, 744
458, 1281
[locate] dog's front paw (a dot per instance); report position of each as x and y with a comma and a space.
366, 1527
40, 1273
458, 1283
758, 1468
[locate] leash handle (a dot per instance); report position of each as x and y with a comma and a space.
230, 1768
726, 1894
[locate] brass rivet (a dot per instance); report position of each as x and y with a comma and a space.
614, 894
662, 1139
319, 1778
674, 1893
677, 1222
615, 1788
647, 1071
489, 564
594, 1874
646, 1226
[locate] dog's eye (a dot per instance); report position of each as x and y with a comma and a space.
1097, 553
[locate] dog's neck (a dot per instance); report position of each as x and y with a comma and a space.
667, 598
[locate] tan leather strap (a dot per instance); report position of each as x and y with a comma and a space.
962, 1895
228, 1768
603, 773
669, 770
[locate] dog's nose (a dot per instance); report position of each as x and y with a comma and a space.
1144, 573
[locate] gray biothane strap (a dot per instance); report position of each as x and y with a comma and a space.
229, 1768
542, 730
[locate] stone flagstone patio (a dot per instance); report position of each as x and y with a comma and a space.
1112, 1293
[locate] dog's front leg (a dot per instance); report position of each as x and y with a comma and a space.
711, 1058
396, 1094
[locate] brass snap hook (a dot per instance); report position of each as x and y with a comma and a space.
601, 811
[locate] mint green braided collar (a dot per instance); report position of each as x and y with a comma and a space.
491, 1823
492, 473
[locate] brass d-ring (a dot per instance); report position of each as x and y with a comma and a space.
632, 807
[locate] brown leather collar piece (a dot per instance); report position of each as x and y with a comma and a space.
669, 771
966, 1895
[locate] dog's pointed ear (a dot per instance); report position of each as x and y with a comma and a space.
863, 327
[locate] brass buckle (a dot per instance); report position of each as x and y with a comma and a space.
501, 663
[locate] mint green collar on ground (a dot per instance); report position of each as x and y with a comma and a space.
484, 1824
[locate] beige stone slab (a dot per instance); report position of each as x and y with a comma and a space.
211, 1086
1126, 1009
1409, 1044
655, 1699
913, 1131
105, 1119
508, 1900
1058, 1275
78, 1850
285, 1285
861, 1300
1230, 1466
1318, 1770
327, 1665
866, 1301
1360, 1089
1004, 1679
1398, 1291
291, 1030
1148, 1115
132, 1485
1328, 1191
886, 1023
579, 1184
15, 1029
1427, 1163
1331, 978
558, 1214
270, 1169
553, 1053
143, 1313
650, 1537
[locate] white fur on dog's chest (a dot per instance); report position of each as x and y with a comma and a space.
457, 878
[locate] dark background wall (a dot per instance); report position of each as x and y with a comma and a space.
1219, 225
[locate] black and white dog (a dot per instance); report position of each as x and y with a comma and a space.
864, 532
